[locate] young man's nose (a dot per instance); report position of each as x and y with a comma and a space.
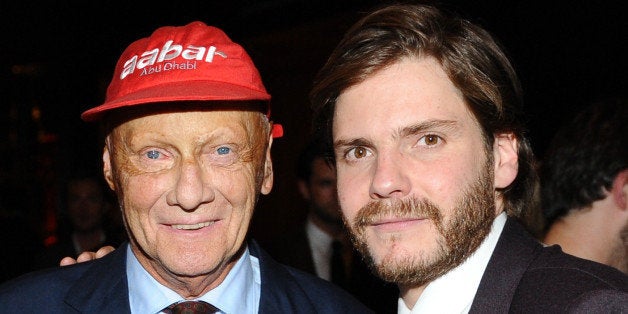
389, 178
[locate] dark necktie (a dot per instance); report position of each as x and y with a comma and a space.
338, 270
191, 307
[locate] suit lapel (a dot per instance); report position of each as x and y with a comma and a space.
303, 252
514, 252
280, 293
103, 287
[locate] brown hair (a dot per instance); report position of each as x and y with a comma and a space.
472, 59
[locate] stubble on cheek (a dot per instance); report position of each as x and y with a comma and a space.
457, 237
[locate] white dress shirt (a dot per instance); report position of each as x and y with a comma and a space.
238, 293
320, 244
454, 291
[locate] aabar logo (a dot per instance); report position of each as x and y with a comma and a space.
169, 52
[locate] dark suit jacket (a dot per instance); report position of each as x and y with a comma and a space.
293, 249
52, 255
523, 276
100, 286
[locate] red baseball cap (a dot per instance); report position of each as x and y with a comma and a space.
178, 63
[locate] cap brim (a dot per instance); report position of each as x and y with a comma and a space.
178, 91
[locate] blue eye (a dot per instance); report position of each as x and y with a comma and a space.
153, 154
223, 150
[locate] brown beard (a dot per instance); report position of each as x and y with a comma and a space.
458, 238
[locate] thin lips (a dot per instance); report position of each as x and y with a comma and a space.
192, 226
394, 220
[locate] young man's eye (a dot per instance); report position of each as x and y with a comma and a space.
357, 153
430, 140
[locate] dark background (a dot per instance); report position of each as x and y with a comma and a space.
58, 56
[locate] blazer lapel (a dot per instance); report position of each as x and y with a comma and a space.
302, 252
280, 293
103, 287
514, 252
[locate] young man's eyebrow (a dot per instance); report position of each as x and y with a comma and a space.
426, 125
352, 142
402, 132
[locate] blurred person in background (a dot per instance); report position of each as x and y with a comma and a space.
584, 184
321, 244
88, 222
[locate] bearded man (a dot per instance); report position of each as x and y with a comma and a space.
423, 112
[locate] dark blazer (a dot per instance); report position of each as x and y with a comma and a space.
100, 286
523, 276
293, 249
50, 256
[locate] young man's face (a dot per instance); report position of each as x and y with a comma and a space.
86, 205
415, 177
187, 183
320, 191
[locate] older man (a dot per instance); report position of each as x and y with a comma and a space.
187, 151
422, 109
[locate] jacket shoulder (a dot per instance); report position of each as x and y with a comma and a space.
40, 291
525, 276
96, 286
558, 281
288, 290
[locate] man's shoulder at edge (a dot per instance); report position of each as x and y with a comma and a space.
538, 277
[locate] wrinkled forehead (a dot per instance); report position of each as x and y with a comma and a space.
246, 115
193, 131
125, 114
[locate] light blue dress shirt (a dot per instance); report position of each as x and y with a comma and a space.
238, 293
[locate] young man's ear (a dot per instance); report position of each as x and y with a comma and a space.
506, 159
619, 190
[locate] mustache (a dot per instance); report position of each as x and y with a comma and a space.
400, 208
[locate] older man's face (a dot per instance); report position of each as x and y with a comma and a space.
187, 183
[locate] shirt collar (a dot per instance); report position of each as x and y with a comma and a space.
238, 293
319, 240
461, 282
320, 246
